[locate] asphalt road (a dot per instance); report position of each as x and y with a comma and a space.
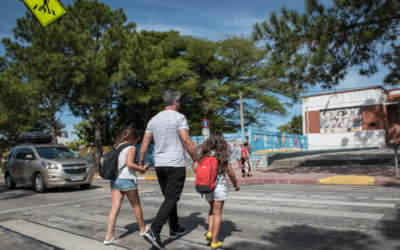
268, 216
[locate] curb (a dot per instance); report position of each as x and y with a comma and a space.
395, 183
276, 181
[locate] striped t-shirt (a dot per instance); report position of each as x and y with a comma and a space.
168, 147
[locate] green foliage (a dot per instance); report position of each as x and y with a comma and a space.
209, 75
293, 127
74, 145
42, 124
323, 44
15, 111
90, 54
85, 133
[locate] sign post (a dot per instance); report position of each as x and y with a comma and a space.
206, 132
241, 116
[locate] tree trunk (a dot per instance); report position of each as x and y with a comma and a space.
97, 140
107, 129
53, 130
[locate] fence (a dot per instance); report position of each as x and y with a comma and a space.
262, 144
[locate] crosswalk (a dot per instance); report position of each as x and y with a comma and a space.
280, 217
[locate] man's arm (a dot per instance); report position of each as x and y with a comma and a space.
188, 145
148, 137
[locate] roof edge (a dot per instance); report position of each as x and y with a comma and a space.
346, 91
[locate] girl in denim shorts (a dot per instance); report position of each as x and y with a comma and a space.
125, 184
217, 147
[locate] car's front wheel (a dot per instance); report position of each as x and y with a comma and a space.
40, 187
9, 182
85, 186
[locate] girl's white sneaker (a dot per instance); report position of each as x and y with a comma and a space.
112, 241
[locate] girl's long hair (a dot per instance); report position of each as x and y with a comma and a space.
217, 143
127, 135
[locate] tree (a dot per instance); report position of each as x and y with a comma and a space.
91, 51
15, 111
323, 44
44, 125
85, 133
209, 76
293, 127
74, 145
222, 69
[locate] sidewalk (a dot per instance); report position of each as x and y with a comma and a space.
377, 175
364, 175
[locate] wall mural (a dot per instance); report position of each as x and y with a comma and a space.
268, 142
261, 143
235, 144
341, 120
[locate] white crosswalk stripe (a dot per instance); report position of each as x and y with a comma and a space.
264, 219
194, 236
325, 202
346, 232
53, 236
295, 210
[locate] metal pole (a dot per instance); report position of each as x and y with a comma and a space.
241, 114
396, 161
308, 129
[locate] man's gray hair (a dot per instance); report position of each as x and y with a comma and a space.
170, 97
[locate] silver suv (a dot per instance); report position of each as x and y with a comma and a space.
46, 166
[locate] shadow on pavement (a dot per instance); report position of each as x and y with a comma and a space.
375, 170
22, 191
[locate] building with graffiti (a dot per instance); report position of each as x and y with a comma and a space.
359, 118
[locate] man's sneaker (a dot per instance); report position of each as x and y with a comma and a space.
174, 234
209, 236
153, 239
217, 245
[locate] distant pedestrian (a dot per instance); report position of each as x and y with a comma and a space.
170, 132
125, 184
217, 147
243, 156
247, 168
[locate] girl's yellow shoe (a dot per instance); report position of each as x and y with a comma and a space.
216, 245
209, 236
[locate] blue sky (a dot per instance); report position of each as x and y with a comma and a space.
204, 18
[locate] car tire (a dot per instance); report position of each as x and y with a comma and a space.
85, 186
38, 184
9, 182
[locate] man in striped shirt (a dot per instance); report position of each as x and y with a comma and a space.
170, 132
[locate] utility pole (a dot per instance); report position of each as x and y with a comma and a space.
241, 115
308, 129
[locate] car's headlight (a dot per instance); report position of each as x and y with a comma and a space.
49, 165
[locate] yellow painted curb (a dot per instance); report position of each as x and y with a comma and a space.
363, 180
150, 178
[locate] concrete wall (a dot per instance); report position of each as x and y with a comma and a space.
369, 97
374, 119
369, 138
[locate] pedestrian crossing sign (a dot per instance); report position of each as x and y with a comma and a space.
46, 11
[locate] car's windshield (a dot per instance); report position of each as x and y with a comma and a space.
56, 152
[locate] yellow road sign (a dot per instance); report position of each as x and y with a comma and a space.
46, 11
